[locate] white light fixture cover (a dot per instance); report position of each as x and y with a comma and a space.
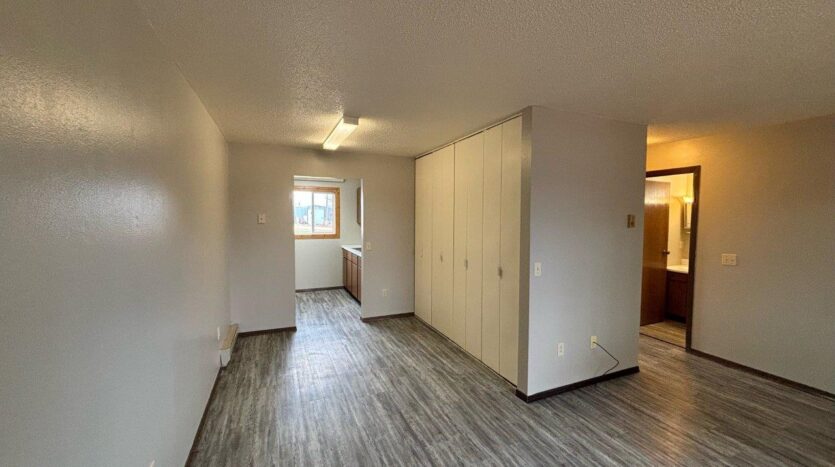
342, 130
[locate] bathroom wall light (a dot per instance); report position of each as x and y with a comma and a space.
342, 130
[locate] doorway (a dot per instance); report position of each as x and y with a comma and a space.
671, 206
327, 226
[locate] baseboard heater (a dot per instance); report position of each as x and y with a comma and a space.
227, 344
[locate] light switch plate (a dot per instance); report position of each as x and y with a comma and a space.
537, 269
728, 259
561, 349
262, 218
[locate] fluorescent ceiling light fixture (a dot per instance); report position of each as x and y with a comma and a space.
305, 178
343, 129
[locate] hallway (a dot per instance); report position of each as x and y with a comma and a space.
339, 391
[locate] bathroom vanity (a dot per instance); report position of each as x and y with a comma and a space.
678, 283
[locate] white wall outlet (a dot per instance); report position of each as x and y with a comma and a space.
593, 342
262, 218
561, 349
537, 269
385, 292
728, 259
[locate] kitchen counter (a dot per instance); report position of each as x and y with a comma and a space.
355, 249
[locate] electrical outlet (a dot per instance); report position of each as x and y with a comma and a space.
537, 269
560, 349
385, 292
262, 218
728, 259
593, 342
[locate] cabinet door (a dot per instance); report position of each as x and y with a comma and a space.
344, 271
442, 238
459, 269
511, 199
423, 238
471, 165
359, 280
352, 278
491, 235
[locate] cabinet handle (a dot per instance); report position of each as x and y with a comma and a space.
466, 264
500, 271
442, 257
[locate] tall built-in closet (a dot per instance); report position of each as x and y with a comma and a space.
467, 243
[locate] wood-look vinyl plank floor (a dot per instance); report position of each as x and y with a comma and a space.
394, 392
668, 331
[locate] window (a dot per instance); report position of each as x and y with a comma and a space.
316, 212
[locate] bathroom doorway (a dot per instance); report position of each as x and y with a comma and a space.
671, 205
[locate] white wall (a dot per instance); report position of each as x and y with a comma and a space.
319, 261
113, 182
262, 269
586, 175
767, 194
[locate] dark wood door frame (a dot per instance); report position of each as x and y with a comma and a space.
696, 170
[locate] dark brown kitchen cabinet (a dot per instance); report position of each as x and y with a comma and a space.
677, 285
352, 274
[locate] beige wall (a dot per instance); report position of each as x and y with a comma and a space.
112, 240
319, 261
586, 175
768, 195
262, 268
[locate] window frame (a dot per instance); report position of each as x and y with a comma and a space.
337, 213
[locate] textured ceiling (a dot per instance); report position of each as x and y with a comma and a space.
421, 73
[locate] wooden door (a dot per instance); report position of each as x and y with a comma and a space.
491, 236
473, 149
443, 181
511, 209
459, 265
656, 225
423, 238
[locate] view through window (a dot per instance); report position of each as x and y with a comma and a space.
316, 212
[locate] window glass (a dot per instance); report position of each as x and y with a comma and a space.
315, 212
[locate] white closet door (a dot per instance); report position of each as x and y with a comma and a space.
511, 200
423, 238
491, 245
443, 179
459, 269
474, 166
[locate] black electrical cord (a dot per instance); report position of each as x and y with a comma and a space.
617, 362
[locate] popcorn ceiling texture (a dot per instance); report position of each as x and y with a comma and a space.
422, 73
